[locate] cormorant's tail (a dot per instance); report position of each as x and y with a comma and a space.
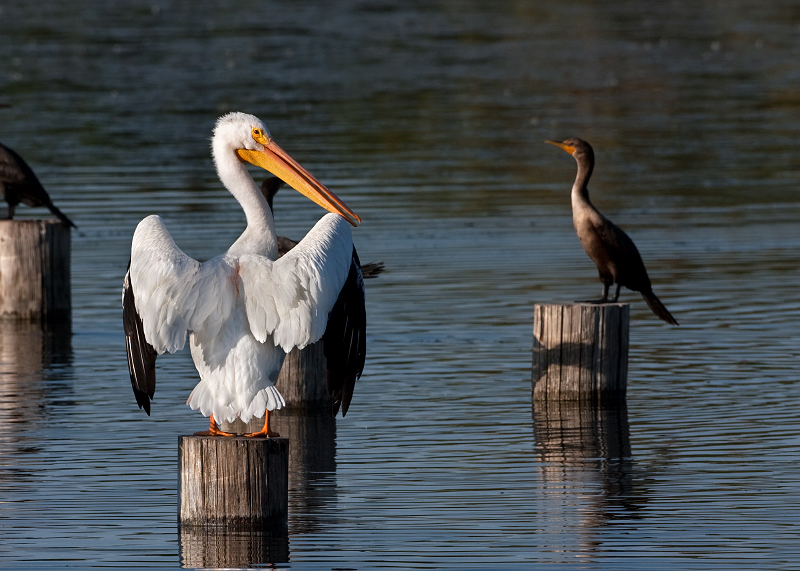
372, 270
658, 308
60, 215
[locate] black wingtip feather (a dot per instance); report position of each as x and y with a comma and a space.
344, 341
142, 400
141, 355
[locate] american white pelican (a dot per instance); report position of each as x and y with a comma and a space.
269, 188
19, 184
245, 309
613, 252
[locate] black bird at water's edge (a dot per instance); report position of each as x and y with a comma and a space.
18, 184
269, 188
613, 252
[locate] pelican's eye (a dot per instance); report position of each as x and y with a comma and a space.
259, 136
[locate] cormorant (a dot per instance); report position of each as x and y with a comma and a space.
614, 253
19, 184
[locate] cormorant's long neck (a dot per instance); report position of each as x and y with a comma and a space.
259, 237
580, 190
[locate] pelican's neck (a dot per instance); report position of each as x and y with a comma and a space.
259, 237
580, 190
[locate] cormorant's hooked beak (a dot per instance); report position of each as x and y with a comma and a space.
568, 148
275, 160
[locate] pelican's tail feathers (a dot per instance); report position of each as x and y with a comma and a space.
205, 400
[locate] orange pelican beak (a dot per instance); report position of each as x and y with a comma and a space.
568, 148
277, 161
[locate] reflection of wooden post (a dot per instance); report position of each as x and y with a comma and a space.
580, 351
303, 379
568, 432
587, 446
233, 481
34, 269
215, 547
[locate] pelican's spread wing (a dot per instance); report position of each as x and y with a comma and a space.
290, 298
315, 289
345, 339
166, 294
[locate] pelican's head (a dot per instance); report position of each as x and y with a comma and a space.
250, 140
578, 148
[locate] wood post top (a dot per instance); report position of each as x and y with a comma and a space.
33, 221
584, 304
235, 438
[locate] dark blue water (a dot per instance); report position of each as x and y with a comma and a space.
429, 120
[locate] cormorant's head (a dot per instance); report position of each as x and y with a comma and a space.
578, 148
270, 187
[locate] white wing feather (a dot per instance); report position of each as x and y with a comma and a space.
291, 298
175, 293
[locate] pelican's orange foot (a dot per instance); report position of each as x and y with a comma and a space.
264, 432
213, 430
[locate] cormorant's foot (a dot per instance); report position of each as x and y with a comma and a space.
263, 434
594, 301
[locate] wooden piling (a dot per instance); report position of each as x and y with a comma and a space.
312, 460
580, 352
235, 482
34, 269
303, 380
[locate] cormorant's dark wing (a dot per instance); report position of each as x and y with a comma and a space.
141, 355
13, 170
284, 245
20, 184
345, 339
631, 272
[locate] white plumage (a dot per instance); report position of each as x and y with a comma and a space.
244, 309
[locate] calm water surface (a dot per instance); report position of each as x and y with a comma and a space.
429, 120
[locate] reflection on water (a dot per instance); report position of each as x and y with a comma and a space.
33, 361
209, 546
26, 350
583, 445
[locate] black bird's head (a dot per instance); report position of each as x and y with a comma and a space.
270, 187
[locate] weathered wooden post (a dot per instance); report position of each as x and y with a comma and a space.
312, 456
580, 352
34, 269
234, 482
303, 380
